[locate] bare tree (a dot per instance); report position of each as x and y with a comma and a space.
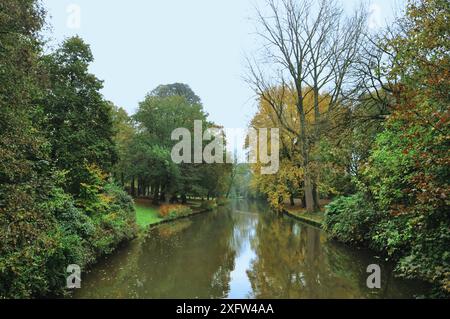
308, 49
373, 85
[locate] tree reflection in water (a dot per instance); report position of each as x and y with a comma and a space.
242, 250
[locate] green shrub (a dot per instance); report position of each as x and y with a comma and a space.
407, 176
417, 243
65, 234
350, 219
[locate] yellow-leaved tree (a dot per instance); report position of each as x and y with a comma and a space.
288, 182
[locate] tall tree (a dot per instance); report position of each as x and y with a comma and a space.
311, 49
80, 126
26, 174
156, 118
176, 89
124, 134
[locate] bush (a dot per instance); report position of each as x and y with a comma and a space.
407, 175
350, 219
117, 222
36, 267
174, 211
110, 209
208, 205
64, 232
417, 243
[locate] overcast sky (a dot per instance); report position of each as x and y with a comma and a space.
139, 44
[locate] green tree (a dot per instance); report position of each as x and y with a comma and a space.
177, 89
79, 121
406, 176
124, 134
25, 172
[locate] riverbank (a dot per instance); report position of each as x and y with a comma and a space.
147, 215
298, 212
314, 219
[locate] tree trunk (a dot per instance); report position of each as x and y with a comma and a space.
155, 194
291, 200
139, 187
162, 196
316, 197
173, 198
309, 197
133, 190
303, 200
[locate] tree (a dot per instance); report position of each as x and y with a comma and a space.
177, 89
289, 180
80, 127
124, 133
401, 207
165, 109
26, 176
312, 49
416, 142
43, 228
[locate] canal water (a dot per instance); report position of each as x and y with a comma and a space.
239, 251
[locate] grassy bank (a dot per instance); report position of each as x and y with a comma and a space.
147, 214
299, 212
315, 219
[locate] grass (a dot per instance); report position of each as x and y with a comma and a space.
146, 215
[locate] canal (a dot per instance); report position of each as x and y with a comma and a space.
239, 251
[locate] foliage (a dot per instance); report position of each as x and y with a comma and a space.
177, 89
417, 142
350, 219
79, 122
124, 133
173, 211
28, 232
57, 206
407, 173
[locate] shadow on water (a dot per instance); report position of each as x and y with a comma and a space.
239, 251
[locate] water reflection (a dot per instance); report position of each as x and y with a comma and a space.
240, 251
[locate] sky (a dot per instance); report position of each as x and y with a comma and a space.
139, 44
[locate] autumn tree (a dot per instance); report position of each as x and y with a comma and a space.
308, 49
401, 206
288, 182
